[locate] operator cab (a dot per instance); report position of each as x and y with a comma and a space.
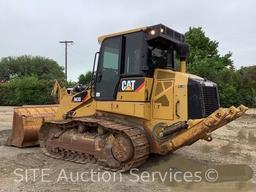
136, 53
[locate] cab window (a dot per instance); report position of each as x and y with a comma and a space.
133, 53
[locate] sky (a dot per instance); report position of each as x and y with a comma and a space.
35, 27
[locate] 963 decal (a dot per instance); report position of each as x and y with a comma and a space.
80, 97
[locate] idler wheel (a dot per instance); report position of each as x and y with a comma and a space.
122, 148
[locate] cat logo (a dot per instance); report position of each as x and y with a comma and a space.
128, 85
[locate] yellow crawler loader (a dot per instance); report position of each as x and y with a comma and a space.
140, 101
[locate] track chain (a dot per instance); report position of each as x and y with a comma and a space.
136, 135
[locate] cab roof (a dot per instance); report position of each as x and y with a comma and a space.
160, 29
102, 37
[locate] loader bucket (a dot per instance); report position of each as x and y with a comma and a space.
27, 121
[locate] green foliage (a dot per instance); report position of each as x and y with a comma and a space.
41, 67
28, 80
246, 82
27, 90
85, 79
204, 57
235, 87
68, 84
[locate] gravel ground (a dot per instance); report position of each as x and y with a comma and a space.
231, 153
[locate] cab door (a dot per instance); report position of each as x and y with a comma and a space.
108, 71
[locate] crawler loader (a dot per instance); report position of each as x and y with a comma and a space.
140, 101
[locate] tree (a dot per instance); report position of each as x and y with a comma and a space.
246, 82
204, 58
205, 61
27, 90
85, 79
41, 67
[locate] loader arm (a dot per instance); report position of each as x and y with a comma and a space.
202, 128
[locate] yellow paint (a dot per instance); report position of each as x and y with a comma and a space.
135, 109
103, 37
